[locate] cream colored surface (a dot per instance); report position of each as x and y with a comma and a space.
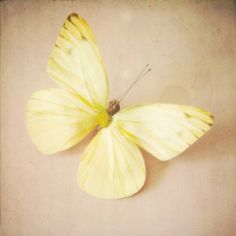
191, 49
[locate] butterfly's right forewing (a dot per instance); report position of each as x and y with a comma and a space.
164, 130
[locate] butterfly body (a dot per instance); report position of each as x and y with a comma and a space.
112, 165
103, 119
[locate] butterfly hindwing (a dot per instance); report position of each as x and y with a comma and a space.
112, 166
57, 120
164, 130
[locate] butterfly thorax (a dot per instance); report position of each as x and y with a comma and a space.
113, 107
105, 117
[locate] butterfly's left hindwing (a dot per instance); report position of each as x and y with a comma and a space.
164, 130
57, 120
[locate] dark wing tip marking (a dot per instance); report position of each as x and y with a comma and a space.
212, 117
210, 124
72, 15
212, 120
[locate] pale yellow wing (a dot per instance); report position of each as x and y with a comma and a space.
164, 130
56, 120
76, 65
111, 167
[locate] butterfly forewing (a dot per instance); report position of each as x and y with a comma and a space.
164, 130
76, 65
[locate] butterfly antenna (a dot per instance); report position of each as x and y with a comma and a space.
144, 71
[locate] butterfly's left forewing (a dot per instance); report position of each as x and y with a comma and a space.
76, 65
164, 130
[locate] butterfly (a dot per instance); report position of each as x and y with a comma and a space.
112, 165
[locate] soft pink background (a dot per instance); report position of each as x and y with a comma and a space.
190, 46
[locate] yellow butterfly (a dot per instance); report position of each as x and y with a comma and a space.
112, 165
